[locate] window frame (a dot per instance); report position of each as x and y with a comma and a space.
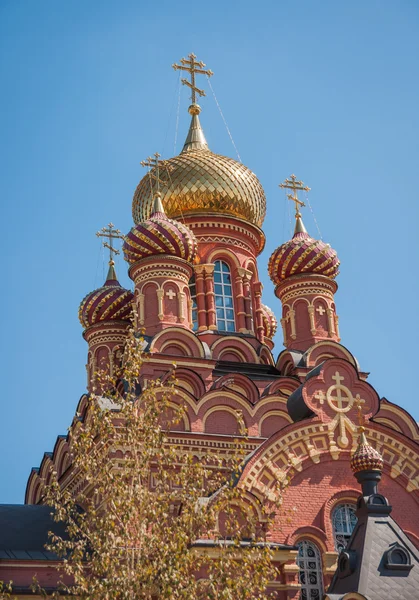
224, 301
303, 562
194, 304
341, 538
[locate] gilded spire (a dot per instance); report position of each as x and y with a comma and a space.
293, 184
195, 140
111, 276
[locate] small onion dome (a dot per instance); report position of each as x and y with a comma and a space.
365, 457
111, 302
270, 323
302, 254
159, 235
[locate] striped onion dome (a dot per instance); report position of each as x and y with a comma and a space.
302, 254
270, 323
111, 302
365, 457
159, 235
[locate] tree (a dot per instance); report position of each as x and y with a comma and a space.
151, 519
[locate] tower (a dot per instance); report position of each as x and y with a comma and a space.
303, 271
106, 315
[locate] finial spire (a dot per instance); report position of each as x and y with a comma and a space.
295, 185
195, 139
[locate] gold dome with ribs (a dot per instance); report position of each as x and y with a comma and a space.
198, 181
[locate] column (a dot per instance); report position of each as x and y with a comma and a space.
239, 297
200, 297
257, 294
210, 296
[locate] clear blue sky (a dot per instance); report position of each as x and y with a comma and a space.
327, 90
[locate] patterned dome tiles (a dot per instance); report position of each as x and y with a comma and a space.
108, 303
366, 458
159, 235
300, 255
201, 181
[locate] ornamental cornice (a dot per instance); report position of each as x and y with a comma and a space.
231, 225
173, 273
308, 284
229, 241
299, 448
298, 289
112, 331
160, 262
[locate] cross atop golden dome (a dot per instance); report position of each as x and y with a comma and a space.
295, 185
199, 181
193, 66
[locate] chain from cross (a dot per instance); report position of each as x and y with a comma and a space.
293, 184
192, 66
112, 234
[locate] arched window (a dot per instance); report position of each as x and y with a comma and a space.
343, 521
223, 297
311, 578
192, 290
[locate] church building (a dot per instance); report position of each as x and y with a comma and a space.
197, 300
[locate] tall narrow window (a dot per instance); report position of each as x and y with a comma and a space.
344, 521
223, 297
192, 290
310, 571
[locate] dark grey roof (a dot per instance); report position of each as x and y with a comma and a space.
24, 532
379, 562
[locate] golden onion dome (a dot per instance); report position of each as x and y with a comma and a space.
198, 181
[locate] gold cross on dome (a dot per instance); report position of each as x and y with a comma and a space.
112, 234
293, 184
155, 165
192, 66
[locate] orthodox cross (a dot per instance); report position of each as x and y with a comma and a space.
153, 162
112, 234
293, 184
192, 66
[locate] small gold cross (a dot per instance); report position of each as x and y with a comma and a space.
293, 184
192, 66
111, 234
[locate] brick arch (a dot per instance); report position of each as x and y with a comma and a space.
177, 337
233, 344
226, 256
265, 356
238, 383
318, 351
348, 496
309, 532
284, 386
272, 422
221, 419
188, 380
229, 400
